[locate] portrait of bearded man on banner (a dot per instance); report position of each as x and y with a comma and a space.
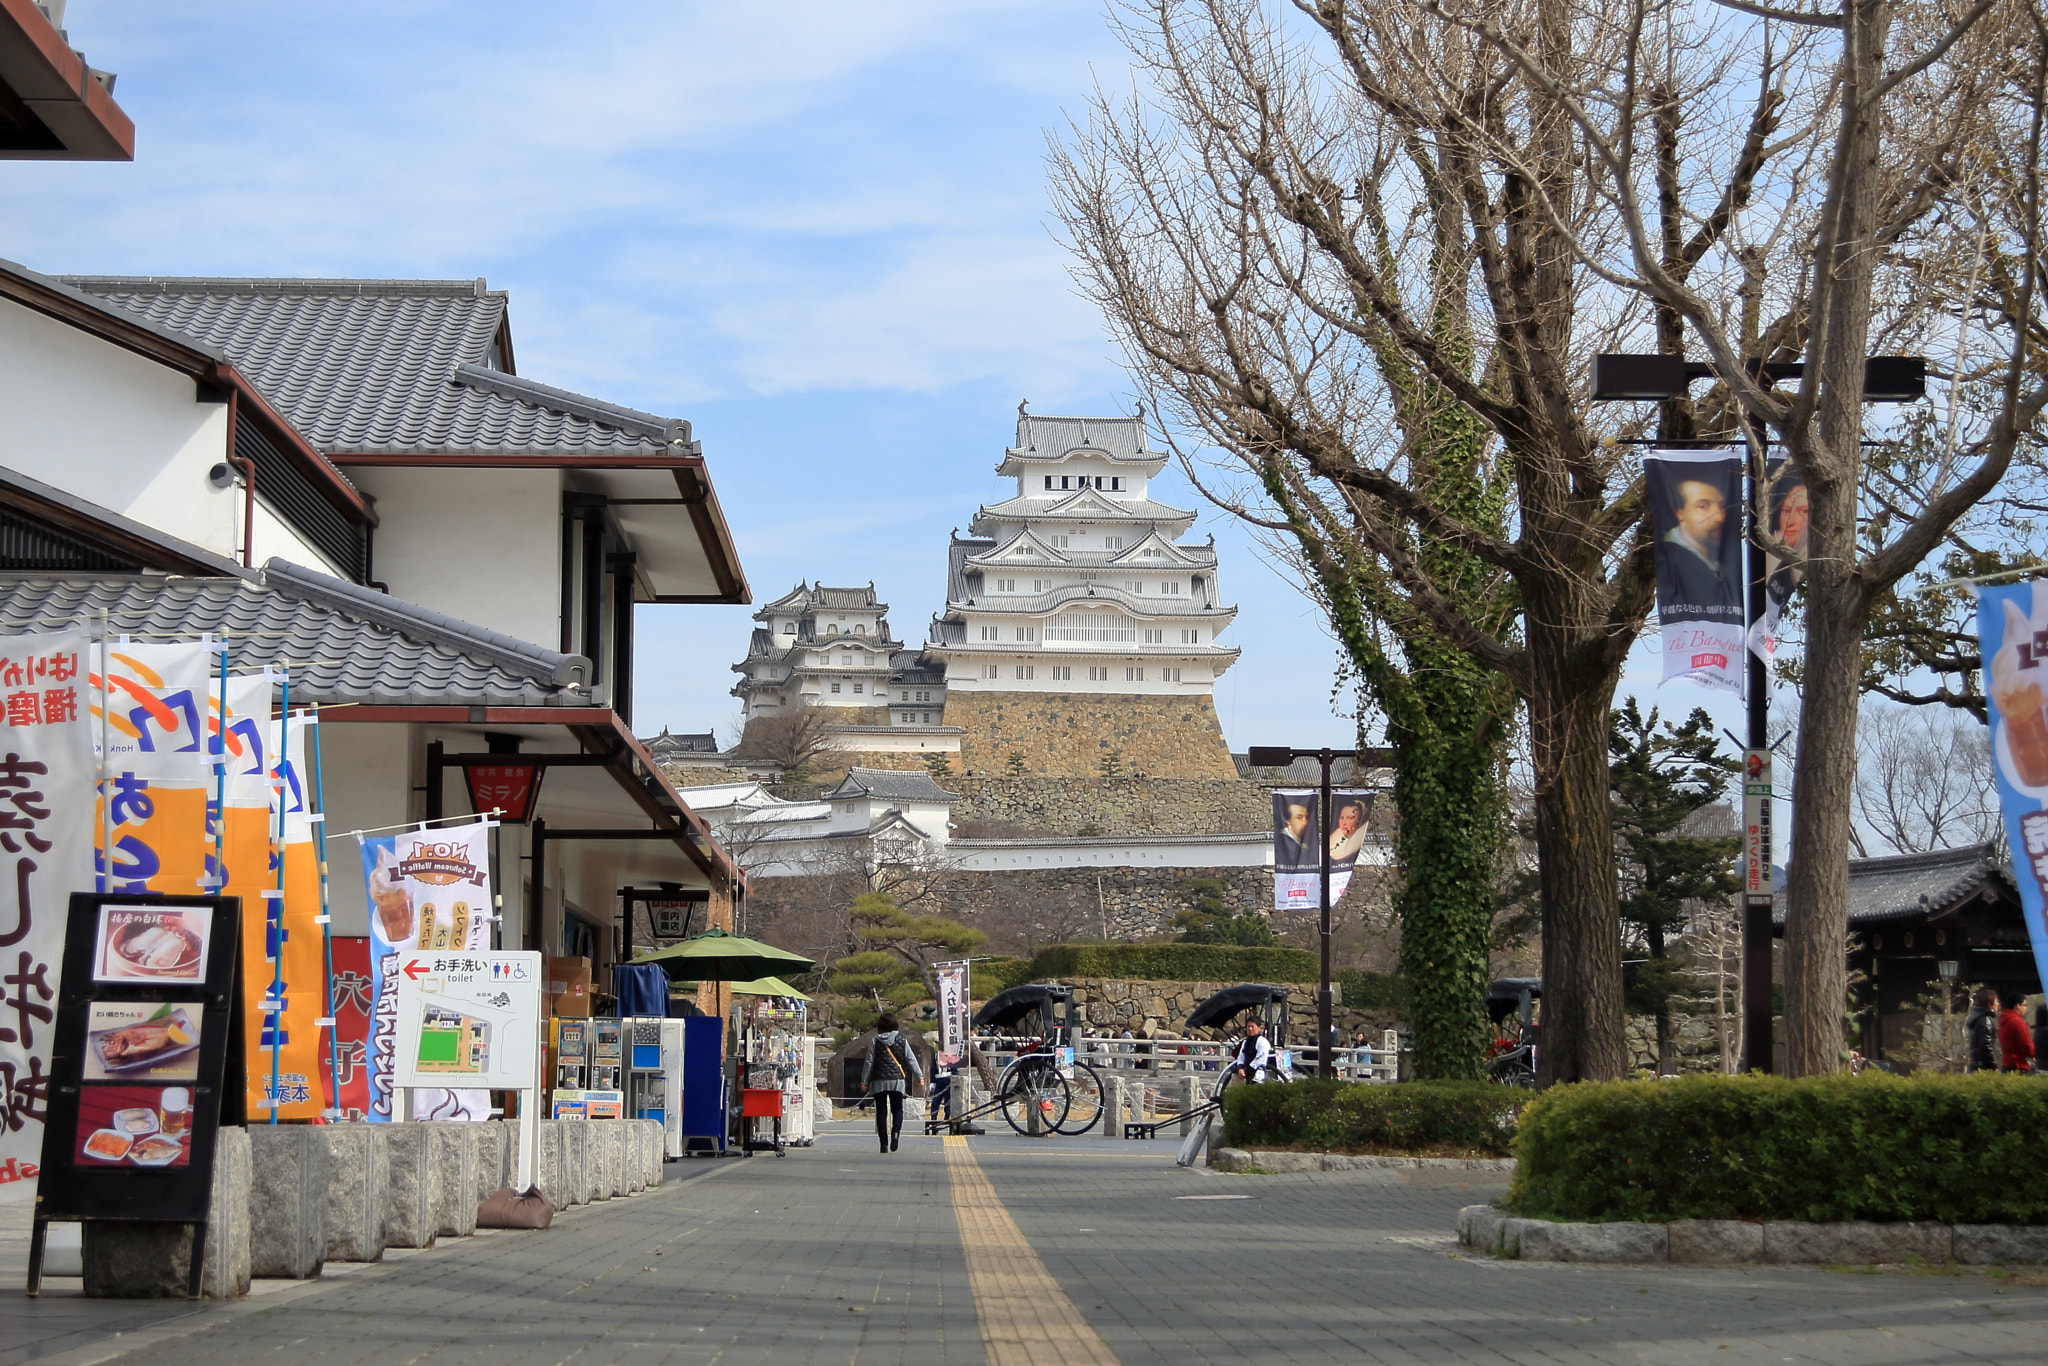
1696, 511
1294, 839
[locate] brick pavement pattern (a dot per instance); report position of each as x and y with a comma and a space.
1026, 1319
839, 1254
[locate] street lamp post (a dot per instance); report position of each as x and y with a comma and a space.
1621, 378
1280, 756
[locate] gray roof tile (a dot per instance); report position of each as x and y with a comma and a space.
343, 643
1894, 888
1119, 437
386, 366
891, 784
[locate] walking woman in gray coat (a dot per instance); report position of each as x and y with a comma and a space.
891, 1067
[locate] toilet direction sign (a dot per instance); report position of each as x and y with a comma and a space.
468, 1019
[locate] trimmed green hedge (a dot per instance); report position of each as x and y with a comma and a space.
1957, 1149
1427, 1117
1176, 963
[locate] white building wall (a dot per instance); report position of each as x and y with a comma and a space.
481, 545
366, 775
114, 428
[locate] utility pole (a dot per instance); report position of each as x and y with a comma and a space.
1279, 756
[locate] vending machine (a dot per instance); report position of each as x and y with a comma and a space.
654, 1076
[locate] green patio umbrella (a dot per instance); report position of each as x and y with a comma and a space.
764, 986
715, 956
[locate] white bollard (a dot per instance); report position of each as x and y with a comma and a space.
1112, 1107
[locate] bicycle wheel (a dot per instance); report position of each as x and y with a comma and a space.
1037, 1087
1084, 1100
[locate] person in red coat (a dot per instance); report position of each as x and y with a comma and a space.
2015, 1040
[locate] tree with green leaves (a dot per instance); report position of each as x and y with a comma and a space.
1663, 777
894, 967
1210, 920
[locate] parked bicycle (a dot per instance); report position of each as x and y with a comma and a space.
1044, 1078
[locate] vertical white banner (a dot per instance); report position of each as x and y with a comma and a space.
952, 981
47, 779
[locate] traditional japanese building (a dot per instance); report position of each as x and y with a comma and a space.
828, 647
1079, 632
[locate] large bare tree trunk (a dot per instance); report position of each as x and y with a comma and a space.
1817, 888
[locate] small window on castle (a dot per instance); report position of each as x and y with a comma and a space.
1006, 585
835, 687
928, 720
1098, 673
1153, 552
1173, 676
1048, 484
1134, 585
1195, 638
862, 630
996, 633
1066, 481
1158, 637
1112, 543
1098, 481
906, 697
1062, 673
926, 697
990, 670
856, 687
1117, 486
1040, 585
1062, 542
846, 661
1027, 671
1173, 587
833, 629
789, 629
1027, 633
1134, 675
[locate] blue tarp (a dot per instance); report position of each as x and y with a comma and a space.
641, 990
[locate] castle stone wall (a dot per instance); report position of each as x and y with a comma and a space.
1020, 909
1067, 735
1114, 806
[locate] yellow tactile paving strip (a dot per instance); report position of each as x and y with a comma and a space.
1026, 1320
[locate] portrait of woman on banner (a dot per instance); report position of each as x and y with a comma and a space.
1787, 516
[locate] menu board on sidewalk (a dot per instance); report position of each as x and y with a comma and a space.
145, 1008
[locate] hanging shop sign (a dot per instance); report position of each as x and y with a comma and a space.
429, 890
671, 917
46, 854
511, 790
137, 1070
347, 1069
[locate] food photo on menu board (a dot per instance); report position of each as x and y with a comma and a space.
142, 1042
134, 1126
157, 944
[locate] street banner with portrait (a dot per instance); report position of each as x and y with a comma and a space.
2012, 632
47, 777
1696, 516
1297, 848
1786, 513
952, 984
428, 889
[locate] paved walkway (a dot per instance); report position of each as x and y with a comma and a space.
1008, 1250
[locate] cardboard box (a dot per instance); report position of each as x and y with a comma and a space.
568, 982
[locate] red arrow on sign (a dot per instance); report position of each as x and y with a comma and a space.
415, 969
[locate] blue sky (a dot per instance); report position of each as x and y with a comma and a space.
818, 231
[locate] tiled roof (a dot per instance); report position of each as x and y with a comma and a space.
891, 784
805, 598
1074, 508
343, 643
1095, 595
387, 366
1906, 885
1117, 437
666, 745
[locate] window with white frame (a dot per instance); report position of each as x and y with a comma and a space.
1169, 675
1024, 550
1153, 637
1027, 671
1040, 585
1152, 552
1191, 637
991, 671
856, 687
1062, 673
1098, 673
1134, 675
860, 630
1171, 587
835, 687
1116, 485
927, 718
1006, 585
1112, 543
1062, 542
1027, 633
991, 633
1134, 586
845, 661
789, 628
1048, 481
833, 629
924, 697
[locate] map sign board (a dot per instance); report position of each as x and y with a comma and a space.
468, 1018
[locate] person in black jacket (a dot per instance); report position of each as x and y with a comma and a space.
891, 1067
1980, 1027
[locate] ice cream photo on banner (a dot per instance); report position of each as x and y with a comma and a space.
2012, 625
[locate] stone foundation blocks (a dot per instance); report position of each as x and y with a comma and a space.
291, 1166
143, 1260
410, 1215
1716, 1240
451, 1172
358, 1190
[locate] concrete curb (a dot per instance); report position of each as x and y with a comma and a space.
1493, 1231
1284, 1163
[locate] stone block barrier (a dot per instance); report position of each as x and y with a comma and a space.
291, 1172
451, 1156
1491, 1230
140, 1259
1283, 1162
358, 1189
410, 1219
